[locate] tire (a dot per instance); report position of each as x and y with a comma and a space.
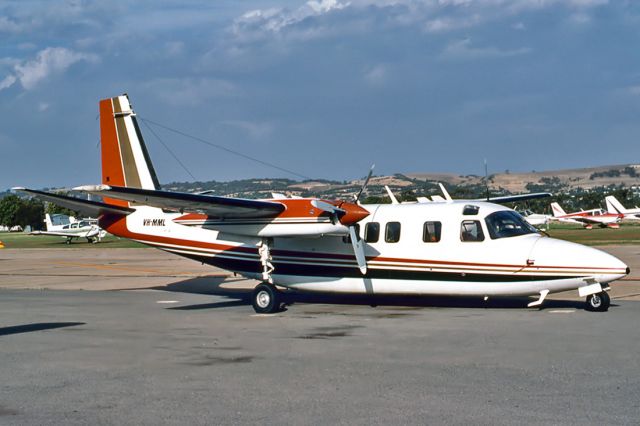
266, 299
598, 302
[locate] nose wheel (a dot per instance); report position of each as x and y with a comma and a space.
266, 299
598, 302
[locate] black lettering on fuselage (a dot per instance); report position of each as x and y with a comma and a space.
153, 222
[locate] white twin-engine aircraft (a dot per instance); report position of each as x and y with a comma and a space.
460, 248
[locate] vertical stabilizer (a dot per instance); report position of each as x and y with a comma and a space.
125, 159
614, 206
557, 210
48, 222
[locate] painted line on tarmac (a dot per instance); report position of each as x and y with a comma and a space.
168, 301
562, 311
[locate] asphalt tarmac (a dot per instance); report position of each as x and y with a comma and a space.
167, 342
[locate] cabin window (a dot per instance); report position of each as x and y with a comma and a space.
392, 232
347, 238
471, 230
431, 232
506, 224
470, 210
372, 232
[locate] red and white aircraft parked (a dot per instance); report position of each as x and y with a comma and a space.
615, 207
465, 248
587, 218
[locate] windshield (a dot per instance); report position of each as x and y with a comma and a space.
507, 224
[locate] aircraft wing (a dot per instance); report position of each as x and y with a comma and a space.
85, 207
589, 219
55, 234
211, 205
515, 198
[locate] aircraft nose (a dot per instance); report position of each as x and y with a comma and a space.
567, 257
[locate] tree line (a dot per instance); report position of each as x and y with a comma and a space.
25, 212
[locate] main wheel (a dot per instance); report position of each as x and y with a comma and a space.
598, 302
266, 299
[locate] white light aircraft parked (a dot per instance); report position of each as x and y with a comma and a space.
587, 218
615, 207
535, 219
86, 228
463, 248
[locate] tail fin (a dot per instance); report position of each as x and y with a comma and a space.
557, 210
614, 206
48, 222
125, 159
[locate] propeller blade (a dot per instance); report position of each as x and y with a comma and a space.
326, 207
358, 250
366, 182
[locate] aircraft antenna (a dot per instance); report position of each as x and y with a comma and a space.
486, 179
223, 148
169, 150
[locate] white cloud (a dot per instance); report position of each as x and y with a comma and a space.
189, 91
258, 23
43, 106
256, 130
7, 82
580, 18
462, 49
49, 61
11, 26
630, 90
377, 75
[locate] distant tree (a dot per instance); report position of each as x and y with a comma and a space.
9, 208
407, 195
24, 212
56, 209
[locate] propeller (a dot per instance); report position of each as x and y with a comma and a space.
358, 249
356, 242
366, 182
334, 211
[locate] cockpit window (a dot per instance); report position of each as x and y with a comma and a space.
506, 224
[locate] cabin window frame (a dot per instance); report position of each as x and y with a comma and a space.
480, 238
437, 234
368, 237
390, 238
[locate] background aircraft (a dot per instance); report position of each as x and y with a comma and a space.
615, 207
535, 219
587, 218
85, 228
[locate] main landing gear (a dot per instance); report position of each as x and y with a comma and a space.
598, 302
266, 299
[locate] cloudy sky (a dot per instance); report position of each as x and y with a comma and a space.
323, 88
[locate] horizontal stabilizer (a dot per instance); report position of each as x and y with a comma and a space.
84, 207
211, 205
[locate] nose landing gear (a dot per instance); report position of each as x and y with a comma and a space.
598, 302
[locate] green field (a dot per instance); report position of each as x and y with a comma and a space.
20, 240
627, 234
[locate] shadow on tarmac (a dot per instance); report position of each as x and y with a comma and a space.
38, 326
212, 286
